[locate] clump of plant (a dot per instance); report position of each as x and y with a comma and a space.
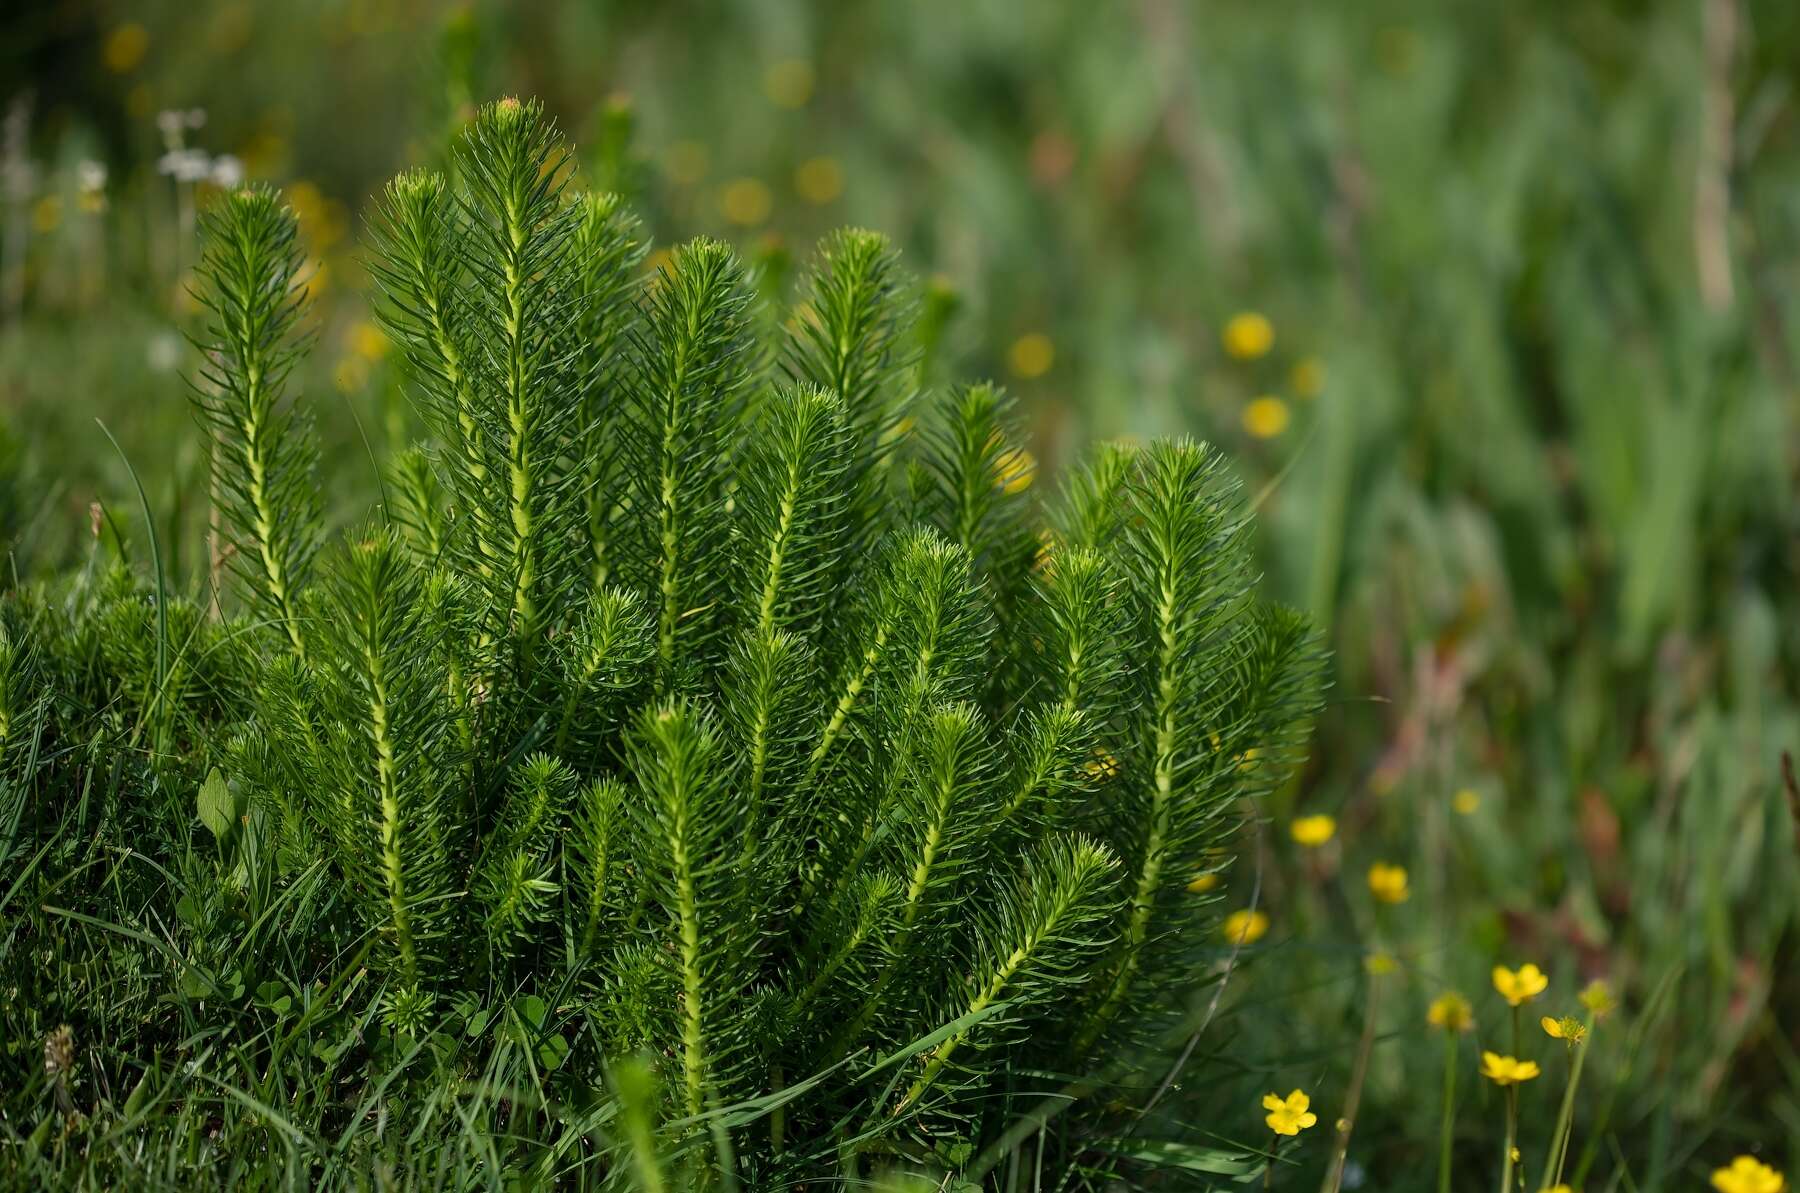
704, 715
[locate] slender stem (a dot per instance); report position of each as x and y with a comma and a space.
1161, 814
1565, 1118
1449, 1125
1340, 1150
1269, 1168
1512, 1131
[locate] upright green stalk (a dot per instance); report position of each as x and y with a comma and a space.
1162, 787
392, 868
1512, 1134
263, 450
1447, 1128
1565, 1116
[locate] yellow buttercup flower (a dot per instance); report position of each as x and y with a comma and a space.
1597, 997
789, 83
1520, 986
1289, 1115
1014, 469
1747, 1174
1566, 1028
1466, 802
125, 47
351, 374
1245, 927
1507, 1070
1450, 1011
1388, 883
366, 340
1031, 355
819, 179
1248, 335
1313, 831
746, 202
1200, 883
1266, 417
1102, 765
1559, 1189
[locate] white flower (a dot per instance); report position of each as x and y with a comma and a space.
227, 171
90, 175
185, 165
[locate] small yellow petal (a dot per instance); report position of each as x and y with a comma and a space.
1031, 355
1248, 335
789, 83
1266, 417
1245, 927
125, 47
1313, 831
819, 180
1388, 883
746, 202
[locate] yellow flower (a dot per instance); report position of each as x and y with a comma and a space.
789, 84
819, 180
1313, 831
1248, 335
125, 47
1289, 1115
1450, 1011
1202, 882
1014, 469
1031, 355
1380, 963
1747, 1174
1507, 1070
322, 219
1566, 1028
1559, 1189
1102, 766
1266, 417
1598, 998
366, 340
1466, 801
351, 374
1388, 883
1308, 377
1520, 987
1245, 927
746, 201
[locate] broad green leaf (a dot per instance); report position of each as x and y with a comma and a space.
218, 810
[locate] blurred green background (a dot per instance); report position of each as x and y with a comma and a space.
1493, 303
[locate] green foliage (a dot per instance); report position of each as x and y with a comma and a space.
774, 807
262, 447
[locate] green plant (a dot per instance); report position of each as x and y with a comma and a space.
693, 698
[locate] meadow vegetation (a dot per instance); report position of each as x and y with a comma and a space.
1484, 309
